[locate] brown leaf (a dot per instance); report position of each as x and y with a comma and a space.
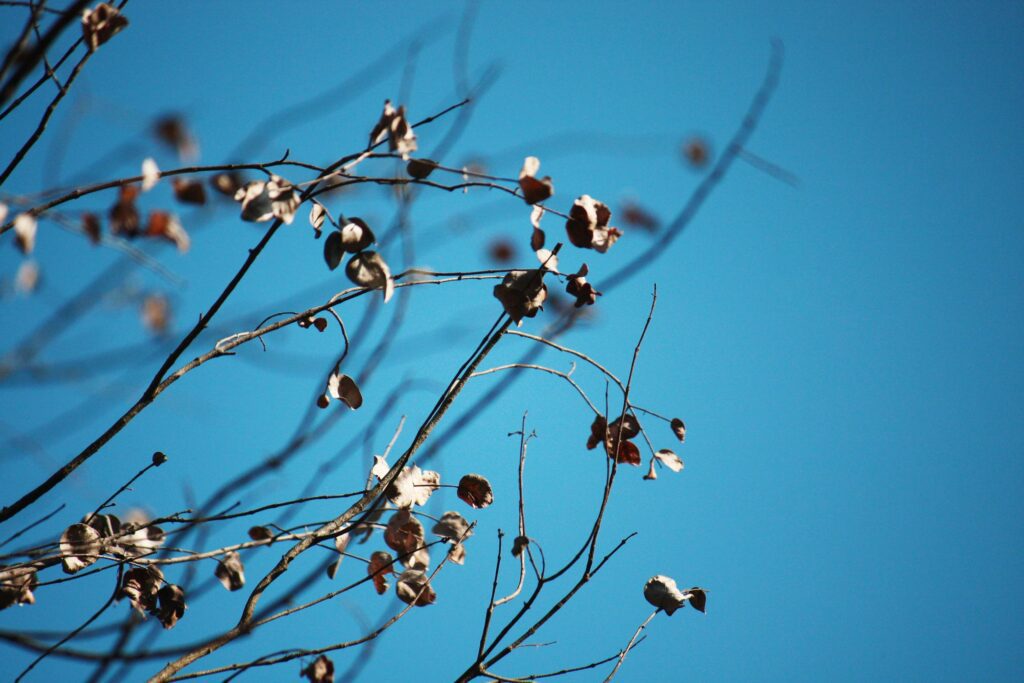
521, 293
189, 191
227, 183
165, 225
333, 250
475, 490
420, 168
578, 287
662, 591
91, 227
598, 430
412, 486
452, 526
534, 190
502, 251
140, 585
171, 129
230, 571
260, 533
356, 235
698, 599
16, 584
321, 670
588, 227
537, 239
381, 564
638, 217
101, 23
679, 429
628, 452
344, 388
172, 605
80, 546
156, 313
519, 545
393, 124
412, 583
368, 269
404, 533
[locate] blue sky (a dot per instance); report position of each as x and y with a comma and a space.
846, 353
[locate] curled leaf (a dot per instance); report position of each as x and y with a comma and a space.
140, 585
321, 670
345, 389
588, 227
412, 486
167, 226
662, 591
227, 183
124, 216
260, 533
91, 227
230, 571
317, 215
356, 235
420, 168
413, 588
669, 459
381, 564
519, 545
522, 294
404, 533
452, 526
578, 287
171, 605
679, 429
598, 430
80, 546
475, 490
16, 584
697, 598
396, 128
534, 190
368, 269
333, 250
189, 191
100, 24
284, 200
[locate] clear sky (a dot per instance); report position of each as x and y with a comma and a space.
846, 352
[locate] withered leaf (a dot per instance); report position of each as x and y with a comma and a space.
27, 278
628, 452
662, 591
522, 294
101, 23
598, 430
344, 388
404, 533
412, 486
228, 183
420, 168
393, 124
167, 226
80, 546
698, 599
333, 250
452, 526
534, 190
189, 191
548, 260
537, 239
140, 585
588, 227
669, 459
260, 533
171, 601
321, 670
679, 429
16, 584
381, 564
171, 129
519, 545
317, 215
475, 490
368, 269
412, 583
356, 235
230, 571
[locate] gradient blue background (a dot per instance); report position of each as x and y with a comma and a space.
846, 354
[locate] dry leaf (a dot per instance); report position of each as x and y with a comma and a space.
321, 670
345, 389
356, 235
189, 191
171, 129
100, 24
230, 571
697, 598
588, 227
80, 546
167, 226
521, 293
141, 585
27, 278
661, 591
171, 599
393, 124
420, 168
412, 486
381, 564
413, 582
368, 269
679, 429
16, 584
669, 459
534, 190
475, 490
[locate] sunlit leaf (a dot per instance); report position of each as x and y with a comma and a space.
669, 459
381, 564
412, 583
150, 174
662, 591
101, 23
679, 429
230, 571
25, 227
320, 670
79, 547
